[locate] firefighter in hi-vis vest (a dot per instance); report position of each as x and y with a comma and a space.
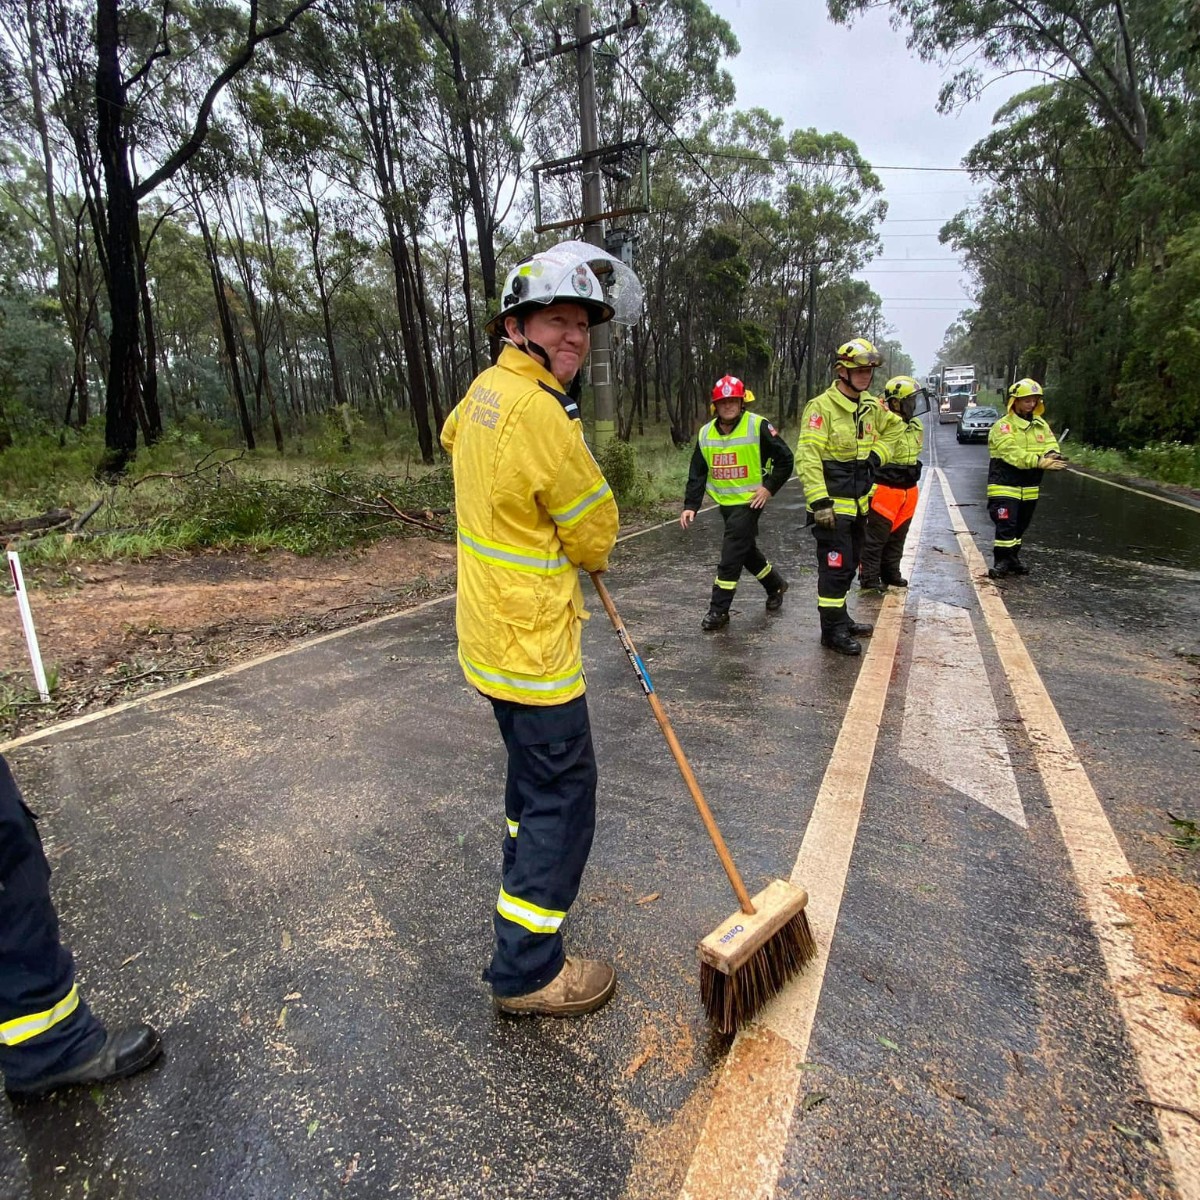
741, 462
532, 509
894, 499
838, 452
1022, 446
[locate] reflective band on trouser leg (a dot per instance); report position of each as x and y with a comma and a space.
531, 916
1005, 515
551, 795
836, 564
764, 572
21, 1029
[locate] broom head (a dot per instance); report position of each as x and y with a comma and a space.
749, 957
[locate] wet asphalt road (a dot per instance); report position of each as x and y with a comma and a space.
291, 870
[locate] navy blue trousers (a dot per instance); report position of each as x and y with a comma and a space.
37, 973
550, 807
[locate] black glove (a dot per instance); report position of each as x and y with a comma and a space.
875, 461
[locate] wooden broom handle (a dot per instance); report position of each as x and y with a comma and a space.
735, 879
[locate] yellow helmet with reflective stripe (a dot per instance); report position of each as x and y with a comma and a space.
857, 352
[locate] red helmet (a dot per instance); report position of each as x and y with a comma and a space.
728, 387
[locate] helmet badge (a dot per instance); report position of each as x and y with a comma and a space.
581, 281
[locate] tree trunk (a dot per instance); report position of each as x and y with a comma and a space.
124, 384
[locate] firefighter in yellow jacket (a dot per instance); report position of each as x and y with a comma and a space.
532, 509
1022, 445
837, 454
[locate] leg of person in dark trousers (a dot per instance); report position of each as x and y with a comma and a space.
1005, 513
1024, 516
893, 552
875, 538
550, 808
739, 551
48, 1035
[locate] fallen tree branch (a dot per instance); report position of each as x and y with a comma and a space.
411, 520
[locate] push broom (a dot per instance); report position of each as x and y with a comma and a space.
750, 956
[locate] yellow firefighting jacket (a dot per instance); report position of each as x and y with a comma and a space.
532, 508
904, 440
836, 436
1015, 445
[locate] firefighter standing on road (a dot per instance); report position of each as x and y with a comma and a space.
49, 1038
838, 453
1022, 446
741, 461
532, 509
895, 497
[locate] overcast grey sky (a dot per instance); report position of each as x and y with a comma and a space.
862, 81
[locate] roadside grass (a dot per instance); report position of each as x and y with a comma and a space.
1160, 462
197, 489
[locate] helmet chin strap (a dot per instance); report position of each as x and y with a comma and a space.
529, 345
855, 393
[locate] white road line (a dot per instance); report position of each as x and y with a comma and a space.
249, 664
947, 677
1136, 491
741, 1147
1166, 1046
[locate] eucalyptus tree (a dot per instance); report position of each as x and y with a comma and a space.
134, 46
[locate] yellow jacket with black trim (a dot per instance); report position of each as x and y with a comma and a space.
1015, 444
837, 435
532, 509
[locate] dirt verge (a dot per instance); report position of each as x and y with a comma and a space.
111, 631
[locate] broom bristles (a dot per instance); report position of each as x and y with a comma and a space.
732, 1000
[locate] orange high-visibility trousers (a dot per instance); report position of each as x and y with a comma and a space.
897, 504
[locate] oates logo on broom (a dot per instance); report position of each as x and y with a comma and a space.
728, 937
834, 558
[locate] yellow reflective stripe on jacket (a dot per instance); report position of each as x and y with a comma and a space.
530, 916
739, 452
541, 685
21, 1029
512, 557
580, 507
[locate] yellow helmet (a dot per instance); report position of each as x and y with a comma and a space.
748, 399
857, 352
900, 387
1025, 387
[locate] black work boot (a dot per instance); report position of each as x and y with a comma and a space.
840, 640
895, 581
872, 585
859, 628
1003, 568
1019, 568
125, 1052
775, 597
715, 618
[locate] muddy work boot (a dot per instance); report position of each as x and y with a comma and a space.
1019, 568
895, 581
715, 618
859, 628
841, 641
872, 586
582, 986
1004, 568
775, 598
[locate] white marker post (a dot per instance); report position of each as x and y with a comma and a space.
35, 655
